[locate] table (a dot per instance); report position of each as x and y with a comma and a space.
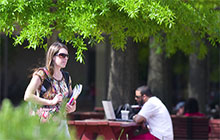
85, 115
89, 129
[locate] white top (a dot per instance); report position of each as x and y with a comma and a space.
158, 118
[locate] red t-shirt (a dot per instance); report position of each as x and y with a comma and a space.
194, 114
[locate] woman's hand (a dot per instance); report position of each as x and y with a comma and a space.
70, 108
58, 98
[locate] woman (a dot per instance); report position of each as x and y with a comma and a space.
50, 85
192, 108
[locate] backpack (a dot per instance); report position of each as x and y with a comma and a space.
128, 107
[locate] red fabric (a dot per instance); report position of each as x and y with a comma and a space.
194, 114
146, 136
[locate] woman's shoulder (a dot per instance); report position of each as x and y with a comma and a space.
40, 73
66, 74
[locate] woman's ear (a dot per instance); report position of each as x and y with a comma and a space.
53, 60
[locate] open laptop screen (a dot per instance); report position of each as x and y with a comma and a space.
109, 112
108, 109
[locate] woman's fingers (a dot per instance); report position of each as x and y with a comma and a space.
58, 98
70, 108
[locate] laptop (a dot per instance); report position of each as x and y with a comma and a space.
109, 112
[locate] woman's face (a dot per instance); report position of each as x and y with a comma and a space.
61, 58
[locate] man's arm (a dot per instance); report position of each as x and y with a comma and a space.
139, 119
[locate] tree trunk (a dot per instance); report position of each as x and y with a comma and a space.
1, 54
53, 38
102, 70
123, 75
158, 75
198, 84
5, 92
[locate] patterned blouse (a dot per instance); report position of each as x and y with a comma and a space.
58, 86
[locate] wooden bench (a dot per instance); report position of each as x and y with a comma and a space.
214, 129
190, 128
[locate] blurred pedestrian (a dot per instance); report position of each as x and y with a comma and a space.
179, 108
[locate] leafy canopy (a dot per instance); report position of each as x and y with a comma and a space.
178, 22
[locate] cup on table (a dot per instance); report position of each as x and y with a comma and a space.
124, 114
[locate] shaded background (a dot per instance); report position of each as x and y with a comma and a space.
17, 62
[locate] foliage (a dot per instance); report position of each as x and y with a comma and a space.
16, 123
181, 22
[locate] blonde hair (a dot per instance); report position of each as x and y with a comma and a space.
52, 51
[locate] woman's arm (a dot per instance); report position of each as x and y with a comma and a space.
30, 93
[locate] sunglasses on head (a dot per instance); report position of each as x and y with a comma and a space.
62, 55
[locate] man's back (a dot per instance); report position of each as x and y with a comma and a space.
158, 118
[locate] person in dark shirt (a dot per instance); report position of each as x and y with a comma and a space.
192, 108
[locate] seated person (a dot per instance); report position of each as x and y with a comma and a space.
179, 109
192, 108
155, 114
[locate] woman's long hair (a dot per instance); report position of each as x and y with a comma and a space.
52, 51
191, 106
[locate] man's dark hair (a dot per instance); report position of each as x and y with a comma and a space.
145, 90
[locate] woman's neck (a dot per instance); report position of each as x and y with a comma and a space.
57, 73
